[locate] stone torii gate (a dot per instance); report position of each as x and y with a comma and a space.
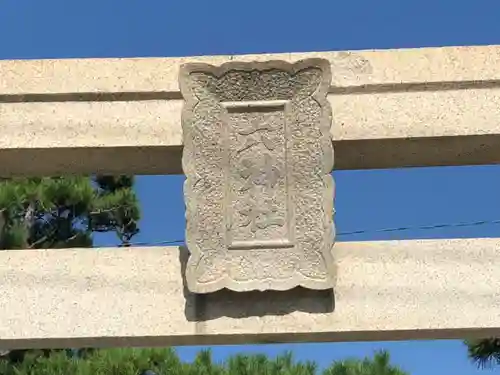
253, 134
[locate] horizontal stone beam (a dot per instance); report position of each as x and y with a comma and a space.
391, 108
389, 290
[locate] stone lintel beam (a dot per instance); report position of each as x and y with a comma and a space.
391, 108
387, 290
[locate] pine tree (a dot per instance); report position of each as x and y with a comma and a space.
378, 365
484, 352
64, 212
166, 362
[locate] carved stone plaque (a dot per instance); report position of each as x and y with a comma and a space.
257, 158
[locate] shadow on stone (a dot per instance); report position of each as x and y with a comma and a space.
227, 303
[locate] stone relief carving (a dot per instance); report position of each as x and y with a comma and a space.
257, 158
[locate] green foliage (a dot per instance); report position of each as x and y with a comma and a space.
56, 212
284, 364
379, 365
484, 352
166, 362
100, 362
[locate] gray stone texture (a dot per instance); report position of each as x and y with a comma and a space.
257, 157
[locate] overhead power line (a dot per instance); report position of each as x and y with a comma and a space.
352, 233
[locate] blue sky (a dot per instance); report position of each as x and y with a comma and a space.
367, 200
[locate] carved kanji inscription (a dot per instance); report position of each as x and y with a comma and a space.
257, 157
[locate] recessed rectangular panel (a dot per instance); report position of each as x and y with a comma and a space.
258, 211
257, 157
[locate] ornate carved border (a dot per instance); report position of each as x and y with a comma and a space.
258, 98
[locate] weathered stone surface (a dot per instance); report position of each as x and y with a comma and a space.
107, 111
257, 157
